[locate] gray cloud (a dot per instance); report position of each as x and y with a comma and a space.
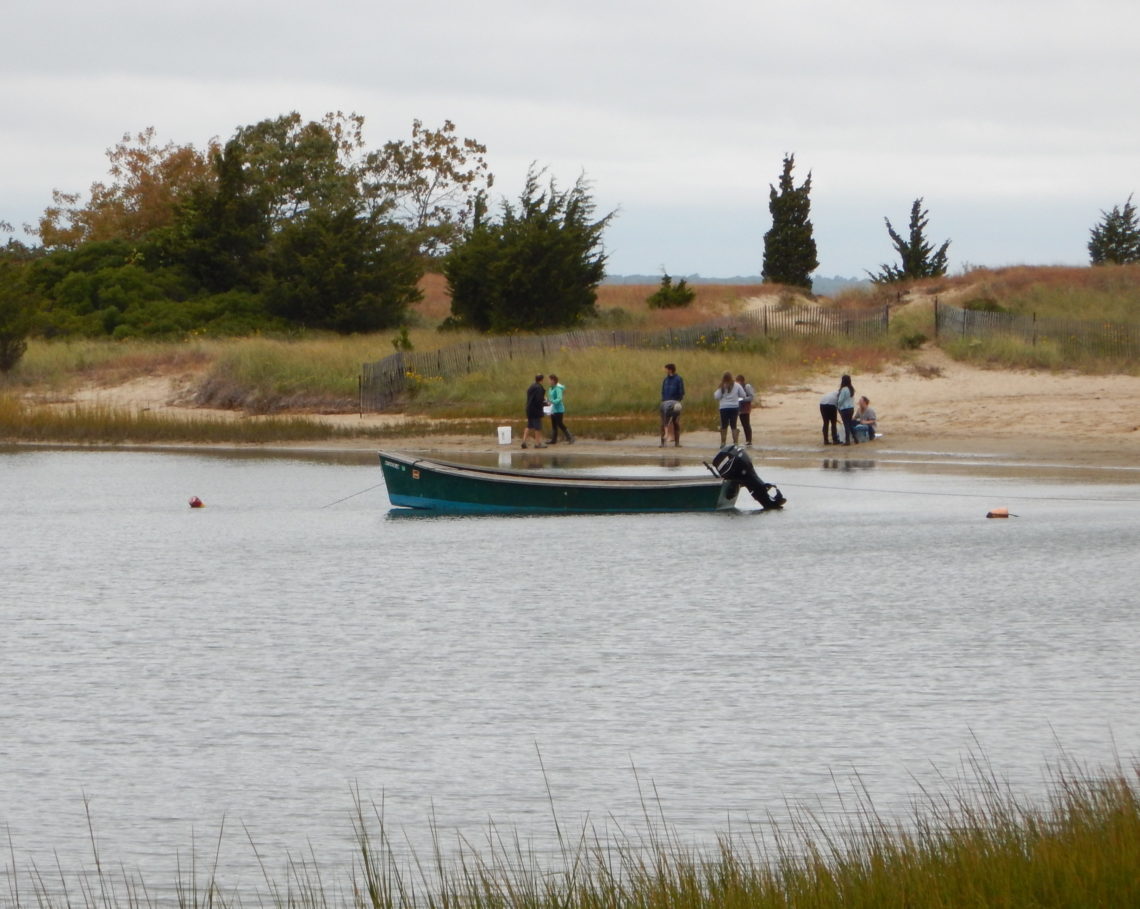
1015, 114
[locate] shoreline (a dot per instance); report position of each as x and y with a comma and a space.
984, 455
931, 410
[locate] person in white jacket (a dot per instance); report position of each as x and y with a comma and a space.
729, 394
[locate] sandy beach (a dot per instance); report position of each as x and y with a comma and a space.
931, 407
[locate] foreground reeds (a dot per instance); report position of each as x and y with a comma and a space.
976, 845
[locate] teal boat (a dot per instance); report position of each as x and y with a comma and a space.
444, 486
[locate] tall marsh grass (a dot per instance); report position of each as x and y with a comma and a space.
978, 844
59, 365
98, 424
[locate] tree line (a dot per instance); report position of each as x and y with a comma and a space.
293, 226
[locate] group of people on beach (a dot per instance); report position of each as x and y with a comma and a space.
734, 396
859, 419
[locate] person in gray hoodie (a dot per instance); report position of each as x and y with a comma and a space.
830, 414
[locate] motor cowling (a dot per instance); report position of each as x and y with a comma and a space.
733, 464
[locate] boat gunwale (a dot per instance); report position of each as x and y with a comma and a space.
553, 477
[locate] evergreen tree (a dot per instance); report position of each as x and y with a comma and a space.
1116, 239
789, 247
17, 304
226, 226
538, 266
347, 271
918, 258
670, 295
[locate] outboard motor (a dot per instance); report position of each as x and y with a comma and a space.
732, 463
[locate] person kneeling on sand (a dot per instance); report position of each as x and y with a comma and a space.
865, 420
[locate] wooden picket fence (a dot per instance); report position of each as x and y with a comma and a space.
1073, 337
384, 383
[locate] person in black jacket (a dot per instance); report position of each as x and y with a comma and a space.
535, 401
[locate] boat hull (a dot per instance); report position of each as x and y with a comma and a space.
443, 486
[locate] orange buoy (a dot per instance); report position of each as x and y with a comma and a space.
195, 502
998, 513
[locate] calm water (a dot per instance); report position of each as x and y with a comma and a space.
259, 659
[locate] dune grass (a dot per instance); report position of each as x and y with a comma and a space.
59, 365
1046, 353
1107, 293
977, 844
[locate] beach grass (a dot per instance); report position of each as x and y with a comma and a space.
100, 424
1106, 293
974, 843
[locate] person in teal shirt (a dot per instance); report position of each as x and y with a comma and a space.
557, 410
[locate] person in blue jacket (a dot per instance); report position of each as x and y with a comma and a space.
672, 393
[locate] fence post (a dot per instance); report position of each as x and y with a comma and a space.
935, 318
1034, 344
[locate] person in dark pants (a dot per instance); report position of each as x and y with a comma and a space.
746, 409
535, 401
845, 403
557, 410
672, 393
830, 414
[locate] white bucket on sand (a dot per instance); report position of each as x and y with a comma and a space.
504, 435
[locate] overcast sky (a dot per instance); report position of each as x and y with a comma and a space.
1016, 121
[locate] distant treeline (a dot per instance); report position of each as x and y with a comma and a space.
820, 285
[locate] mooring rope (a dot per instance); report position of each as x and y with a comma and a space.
354, 495
956, 495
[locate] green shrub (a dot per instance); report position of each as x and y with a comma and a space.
670, 295
984, 304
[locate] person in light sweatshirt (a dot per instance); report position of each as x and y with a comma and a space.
729, 394
845, 404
